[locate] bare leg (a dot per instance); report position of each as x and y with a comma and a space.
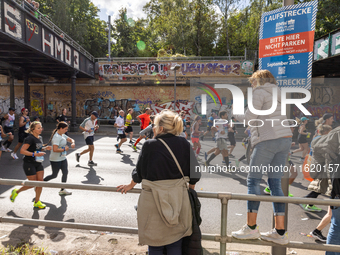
298, 150
17, 147
38, 190
293, 174
279, 222
91, 147
325, 220
30, 178
121, 142
85, 151
251, 218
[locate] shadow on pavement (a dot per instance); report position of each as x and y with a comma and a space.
92, 177
28, 230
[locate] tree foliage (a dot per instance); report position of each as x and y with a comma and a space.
188, 27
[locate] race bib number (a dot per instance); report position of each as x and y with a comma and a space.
120, 131
92, 131
11, 123
27, 126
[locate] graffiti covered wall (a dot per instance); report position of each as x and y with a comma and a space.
161, 71
5, 100
324, 99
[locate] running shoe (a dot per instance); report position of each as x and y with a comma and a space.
77, 156
273, 236
205, 156
237, 163
202, 138
14, 155
134, 148
267, 191
214, 139
290, 194
317, 234
303, 206
116, 145
8, 150
206, 163
3, 148
301, 159
91, 163
39, 205
13, 195
64, 192
131, 142
119, 151
231, 156
246, 233
312, 208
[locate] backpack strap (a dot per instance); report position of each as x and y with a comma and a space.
174, 157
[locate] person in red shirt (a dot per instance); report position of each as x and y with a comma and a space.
145, 121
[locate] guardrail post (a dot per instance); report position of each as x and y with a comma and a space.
224, 214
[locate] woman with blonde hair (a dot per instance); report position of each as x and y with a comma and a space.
32, 149
163, 178
271, 143
302, 138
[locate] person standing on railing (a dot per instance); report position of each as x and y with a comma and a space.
157, 171
58, 154
32, 150
271, 143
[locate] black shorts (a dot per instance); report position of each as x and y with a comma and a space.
302, 140
208, 128
232, 139
122, 136
89, 140
128, 129
22, 137
8, 130
32, 168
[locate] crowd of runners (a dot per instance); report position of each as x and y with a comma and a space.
219, 129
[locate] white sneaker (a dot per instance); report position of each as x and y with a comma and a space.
8, 150
14, 155
274, 237
64, 192
246, 233
3, 148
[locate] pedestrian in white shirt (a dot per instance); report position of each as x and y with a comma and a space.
89, 126
120, 125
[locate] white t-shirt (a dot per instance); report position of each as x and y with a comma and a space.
220, 128
120, 125
88, 124
61, 141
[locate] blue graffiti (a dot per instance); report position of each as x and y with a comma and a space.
37, 94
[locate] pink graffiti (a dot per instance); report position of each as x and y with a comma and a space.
187, 107
318, 111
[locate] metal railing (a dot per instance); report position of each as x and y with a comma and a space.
223, 238
30, 9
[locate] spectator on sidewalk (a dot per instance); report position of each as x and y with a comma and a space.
157, 168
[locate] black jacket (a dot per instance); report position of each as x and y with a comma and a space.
156, 163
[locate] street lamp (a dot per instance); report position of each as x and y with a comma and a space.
108, 30
175, 68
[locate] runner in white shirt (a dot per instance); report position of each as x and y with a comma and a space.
120, 125
89, 126
221, 138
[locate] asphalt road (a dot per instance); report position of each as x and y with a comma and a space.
118, 210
